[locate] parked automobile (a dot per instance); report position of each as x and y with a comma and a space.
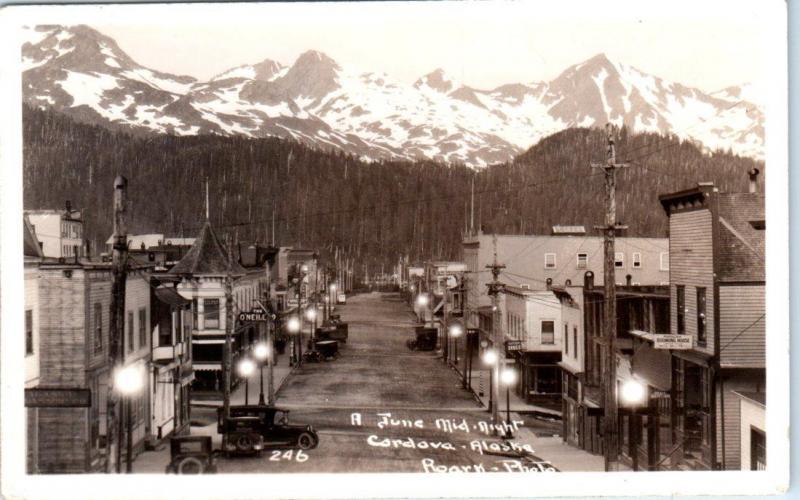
425, 339
191, 455
273, 425
328, 349
241, 434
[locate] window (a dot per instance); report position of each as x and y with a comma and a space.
680, 302
194, 313
665, 261
549, 261
575, 342
583, 260
142, 327
211, 313
619, 259
758, 450
701, 315
637, 260
566, 339
28, 332
130, 330
98, 327
548, 332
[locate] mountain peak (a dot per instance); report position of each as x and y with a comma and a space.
437, 80
315, 58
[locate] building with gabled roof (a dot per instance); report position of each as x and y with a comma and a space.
200, 277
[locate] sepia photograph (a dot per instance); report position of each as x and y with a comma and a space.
450, 248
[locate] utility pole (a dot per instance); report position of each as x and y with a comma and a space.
495, 288
117, 328
226, 350
465, 319
610, 403
446, 333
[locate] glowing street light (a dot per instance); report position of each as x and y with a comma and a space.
422, 300
262, 353
246, 368
455, 331
293, 325
333, 287
633, 392
129, 380
490, 357
311, 314
508, 377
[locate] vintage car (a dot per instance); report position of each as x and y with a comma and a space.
191, 455
274, 427
425, 339
240, 434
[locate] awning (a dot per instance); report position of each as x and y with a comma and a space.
169, 296
210, 367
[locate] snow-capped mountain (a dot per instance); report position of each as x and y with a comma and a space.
79, 71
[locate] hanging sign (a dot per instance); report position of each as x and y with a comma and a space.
670, 341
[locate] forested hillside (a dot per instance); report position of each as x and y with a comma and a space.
375, 212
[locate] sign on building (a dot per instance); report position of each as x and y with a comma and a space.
255, 315
669, 341
38, 397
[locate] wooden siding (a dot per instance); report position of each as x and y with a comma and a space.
729, 413
62, 440
98, 292
742, 332
61, 329
691, 263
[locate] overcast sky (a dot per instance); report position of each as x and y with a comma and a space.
705, 44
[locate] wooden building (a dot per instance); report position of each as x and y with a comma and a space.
717, 299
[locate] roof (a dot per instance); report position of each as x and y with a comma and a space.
559, 229
756, 397
206, 257
30, 243
170, 296
741, 243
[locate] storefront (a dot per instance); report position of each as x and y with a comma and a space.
540, 383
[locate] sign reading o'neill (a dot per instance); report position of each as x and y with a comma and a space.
255, 315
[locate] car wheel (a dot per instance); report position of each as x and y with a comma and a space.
305, 441
190, 465
244, 443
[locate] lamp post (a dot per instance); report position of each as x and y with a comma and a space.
246, 368
633, 393
293, 326
311, 316
490, 359
262, 354
422, 302
508, 377
129, 381
455, 331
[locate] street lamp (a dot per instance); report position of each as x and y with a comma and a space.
508, 377
455, 331
293, 325
129, 380
490, 358
262, 354
246, 368
311, 316
633, 394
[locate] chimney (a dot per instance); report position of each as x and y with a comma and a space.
753, 173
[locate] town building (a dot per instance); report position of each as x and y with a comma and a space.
32, 259
150, 240
752, 430
200, 277
60, 232
74, 304
717, 296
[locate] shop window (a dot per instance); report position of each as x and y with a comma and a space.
548, 332
211, 313
28, 332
